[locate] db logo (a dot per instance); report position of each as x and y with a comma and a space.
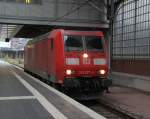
86, 61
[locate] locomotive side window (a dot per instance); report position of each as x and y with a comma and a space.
73, 43
93, 43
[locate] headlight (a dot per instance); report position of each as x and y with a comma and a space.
102, 72
68, 72
85, 55
72, 61
99, 61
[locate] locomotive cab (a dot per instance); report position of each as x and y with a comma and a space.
85, 64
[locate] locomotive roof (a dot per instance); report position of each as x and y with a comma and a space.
38, 38
42, 37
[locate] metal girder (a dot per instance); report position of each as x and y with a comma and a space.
97, 8
117, 3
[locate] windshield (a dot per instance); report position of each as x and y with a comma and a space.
73, 43
87, 43
93, 43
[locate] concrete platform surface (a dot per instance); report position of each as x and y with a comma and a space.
25, 97
130, 101
130, 80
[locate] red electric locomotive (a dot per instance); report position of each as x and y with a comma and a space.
70, 60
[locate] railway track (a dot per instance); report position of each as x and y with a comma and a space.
108, 111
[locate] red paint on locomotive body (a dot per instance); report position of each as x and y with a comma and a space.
66, 54
86, 67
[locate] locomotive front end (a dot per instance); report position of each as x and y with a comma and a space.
86, 62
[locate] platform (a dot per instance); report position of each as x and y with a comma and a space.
129, 100
131, 80
25, 97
